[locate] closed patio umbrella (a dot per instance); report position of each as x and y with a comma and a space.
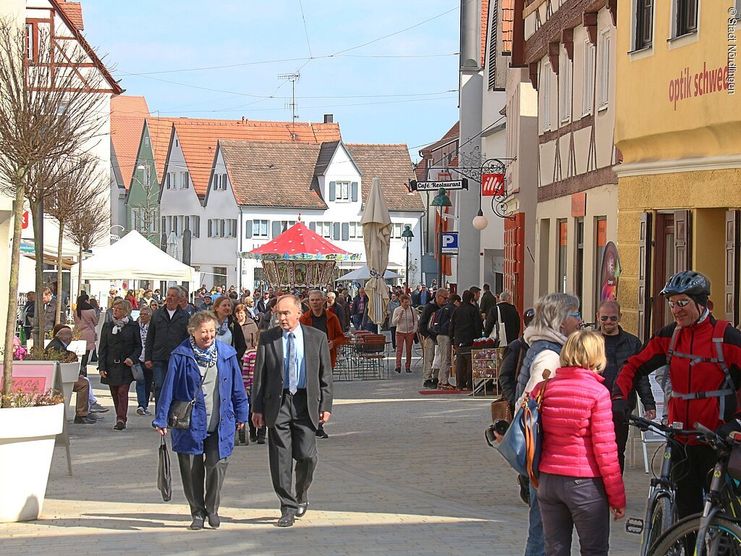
376, 236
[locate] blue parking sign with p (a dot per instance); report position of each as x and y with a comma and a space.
449, 243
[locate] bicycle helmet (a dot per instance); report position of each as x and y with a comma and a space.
691, 283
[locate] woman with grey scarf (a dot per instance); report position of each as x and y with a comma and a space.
120, 347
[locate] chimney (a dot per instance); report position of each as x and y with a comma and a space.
328, 118
470, 35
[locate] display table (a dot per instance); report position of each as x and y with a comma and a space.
485, 363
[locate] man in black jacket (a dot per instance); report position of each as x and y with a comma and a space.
488, 300
428, 337
465, 327
619, 346
167, 329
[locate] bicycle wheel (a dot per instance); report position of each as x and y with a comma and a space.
661, 518
723, 538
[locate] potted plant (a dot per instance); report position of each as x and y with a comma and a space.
69, 370
29, 423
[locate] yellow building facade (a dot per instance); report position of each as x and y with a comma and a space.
678, 131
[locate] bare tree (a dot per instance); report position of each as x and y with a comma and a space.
49, 99
79, 188
86, 228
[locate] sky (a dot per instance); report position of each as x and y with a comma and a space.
386, 69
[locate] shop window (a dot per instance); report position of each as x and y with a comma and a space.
600, 241
579, 260
562, 254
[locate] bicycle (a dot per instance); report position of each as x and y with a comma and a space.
660, 507
717, 530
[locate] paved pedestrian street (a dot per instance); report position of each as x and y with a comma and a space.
400, 473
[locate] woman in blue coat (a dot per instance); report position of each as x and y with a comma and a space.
206, 370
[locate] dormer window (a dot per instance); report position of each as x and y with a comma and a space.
343, 191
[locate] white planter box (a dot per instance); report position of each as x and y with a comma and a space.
70, 373
26, 448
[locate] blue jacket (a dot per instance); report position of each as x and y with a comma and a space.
183, 379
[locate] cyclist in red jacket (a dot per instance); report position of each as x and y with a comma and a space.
704, 359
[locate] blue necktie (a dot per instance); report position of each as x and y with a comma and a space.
292, 364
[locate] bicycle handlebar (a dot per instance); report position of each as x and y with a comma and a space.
646, 424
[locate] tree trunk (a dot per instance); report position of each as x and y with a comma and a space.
37, 209
79, 270
15, 257
58, 309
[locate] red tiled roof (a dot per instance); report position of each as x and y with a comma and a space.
508, 15
127, 120
266, 174
198, 138
453, 133
392, 164
73, 10
160, 130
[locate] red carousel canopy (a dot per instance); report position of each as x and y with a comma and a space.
300, 243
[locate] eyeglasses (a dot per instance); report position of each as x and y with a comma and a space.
575, 314
605, 318
679, 303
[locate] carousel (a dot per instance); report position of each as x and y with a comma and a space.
299, 258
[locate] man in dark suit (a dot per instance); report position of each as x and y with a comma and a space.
292, 395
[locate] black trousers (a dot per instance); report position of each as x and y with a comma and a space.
83, 363
691, 472
463, 370
292, 438
621, 438
193, 473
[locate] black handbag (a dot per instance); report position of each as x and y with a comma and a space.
181, 411
164, 476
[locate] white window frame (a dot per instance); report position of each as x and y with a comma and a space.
184, 178
545, 88
342, 191
260, 229
324, 229
587, 99
603, 55
356, 230
565, 88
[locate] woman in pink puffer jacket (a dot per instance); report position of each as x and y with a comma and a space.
580, 479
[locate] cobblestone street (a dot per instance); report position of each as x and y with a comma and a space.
400, 473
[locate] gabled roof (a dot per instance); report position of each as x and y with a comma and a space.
198, 139
325, 157
452, 134
57, 5
276, 175
73, 10
392, 164
127, 120
160, 131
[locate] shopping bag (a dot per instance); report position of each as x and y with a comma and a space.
521, 443
137, 372
164, 477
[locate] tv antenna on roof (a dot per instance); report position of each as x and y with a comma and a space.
292, 77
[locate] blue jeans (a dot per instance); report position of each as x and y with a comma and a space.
144, 388
160, 369
535, 542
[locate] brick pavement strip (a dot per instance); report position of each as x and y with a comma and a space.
400, 473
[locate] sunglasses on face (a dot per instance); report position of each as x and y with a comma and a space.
575, 314
679, 303
605, 318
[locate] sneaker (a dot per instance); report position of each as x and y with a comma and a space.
79, 420
119, 426
398, 370
97, 408
408, 370
427, 384
141, 411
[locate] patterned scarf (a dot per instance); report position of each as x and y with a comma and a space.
204, 357
223, 327
119, 324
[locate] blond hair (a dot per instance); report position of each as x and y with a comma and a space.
585, 349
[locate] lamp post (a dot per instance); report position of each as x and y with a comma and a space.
440, 201
407, 236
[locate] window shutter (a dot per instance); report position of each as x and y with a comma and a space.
167, 181
732, 266
332, 190
682, 240
336, 231
312, 226
644, 276
345, 231
164, 224
214, 182
210, 228
222, 226
275, 228
186, 180
196, 226
354, 187
223, 182
248, 229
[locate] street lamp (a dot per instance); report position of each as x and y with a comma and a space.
440, 201
407, 236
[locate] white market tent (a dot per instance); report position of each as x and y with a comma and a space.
363, 273
133, 257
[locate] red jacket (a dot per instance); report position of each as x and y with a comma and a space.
578, 431
701, 377
334, 331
